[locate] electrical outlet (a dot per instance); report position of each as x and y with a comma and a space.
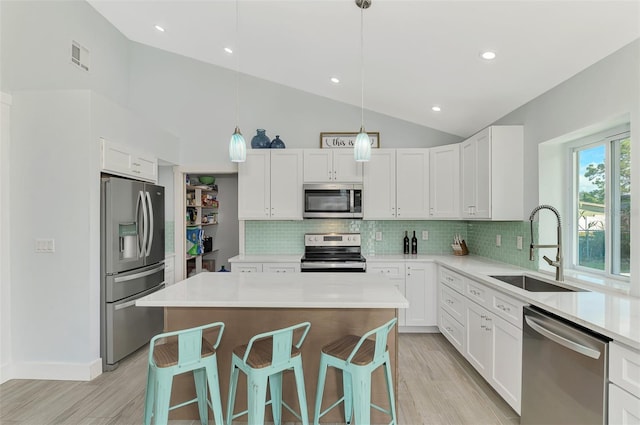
45, 245
519, 243
498, 240
425, 235
378, 236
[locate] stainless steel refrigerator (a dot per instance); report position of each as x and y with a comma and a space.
131, 265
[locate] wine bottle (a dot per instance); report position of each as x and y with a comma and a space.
406, 242
414, 243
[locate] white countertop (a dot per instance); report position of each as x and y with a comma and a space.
606, 308
279, 290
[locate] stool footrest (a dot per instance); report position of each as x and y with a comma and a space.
293, 412
331, 407
387, 411
184, 404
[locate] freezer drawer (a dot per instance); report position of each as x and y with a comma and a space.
130, 327
124, 285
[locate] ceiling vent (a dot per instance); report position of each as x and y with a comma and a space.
80, 55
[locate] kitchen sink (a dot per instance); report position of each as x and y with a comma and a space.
532, 284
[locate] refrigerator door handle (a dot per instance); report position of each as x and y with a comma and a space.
145, 224
138, 224
151, 225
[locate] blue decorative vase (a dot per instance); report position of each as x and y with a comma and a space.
277, 143
260, 140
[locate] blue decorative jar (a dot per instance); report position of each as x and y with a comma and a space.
277, 143
260, 140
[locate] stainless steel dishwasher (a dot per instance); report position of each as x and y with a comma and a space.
564, 372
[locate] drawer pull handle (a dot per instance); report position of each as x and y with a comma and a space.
449, 330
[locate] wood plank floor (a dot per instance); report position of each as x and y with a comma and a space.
436, 386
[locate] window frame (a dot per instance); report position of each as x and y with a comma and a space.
612, 170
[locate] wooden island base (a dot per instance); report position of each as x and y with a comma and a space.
327, 324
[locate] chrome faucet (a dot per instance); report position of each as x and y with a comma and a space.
558, 263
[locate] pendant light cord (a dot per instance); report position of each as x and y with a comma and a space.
362, 65
237, 70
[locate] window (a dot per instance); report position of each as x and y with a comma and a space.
602, 197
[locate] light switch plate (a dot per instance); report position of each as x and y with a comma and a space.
378, 236
425, 235
498, 240
45, 245
519, 243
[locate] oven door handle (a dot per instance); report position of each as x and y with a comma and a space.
321, 265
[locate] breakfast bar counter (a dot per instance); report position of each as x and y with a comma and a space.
336, 304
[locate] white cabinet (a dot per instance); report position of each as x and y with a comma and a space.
396, 184
169, 270
492, 178
420, 290
331, 165
396, 273
624, 389
444, 182
506, 355
246, 267
379, 198
478, 351
280, 267
270, 185
122, 160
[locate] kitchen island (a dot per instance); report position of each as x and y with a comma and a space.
335, 304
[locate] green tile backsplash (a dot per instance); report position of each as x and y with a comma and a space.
287, 237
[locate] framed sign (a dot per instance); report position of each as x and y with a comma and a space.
346, 140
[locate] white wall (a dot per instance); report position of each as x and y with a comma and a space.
196, 101
5, 246
601, 93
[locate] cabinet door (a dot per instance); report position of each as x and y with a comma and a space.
115, 158
468, 177
345, 168
420, 290
246, 267
318, 165
506, 370
145, 167
254, 188
286, 184
281, 267
412, 183
379, 199
624, 408
444, 182
478, 351
483, 174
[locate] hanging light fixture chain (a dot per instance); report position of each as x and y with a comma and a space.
237, 69
362, 65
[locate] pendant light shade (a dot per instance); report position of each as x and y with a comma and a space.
237, 147
237, 144
362, 146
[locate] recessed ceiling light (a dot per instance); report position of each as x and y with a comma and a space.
228, 50
435, 108
335, 80
488, 55
159, 28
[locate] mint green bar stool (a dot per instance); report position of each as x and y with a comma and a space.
190, 353
264, 359
357, 358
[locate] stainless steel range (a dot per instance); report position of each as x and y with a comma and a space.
332, 252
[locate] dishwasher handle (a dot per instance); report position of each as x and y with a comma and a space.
572, 345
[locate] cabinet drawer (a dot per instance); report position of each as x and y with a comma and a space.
478, 293
387, 269
452, 302
624, 368
281, 267
246, 267
452, 330
452, 279
624, 409
507, 308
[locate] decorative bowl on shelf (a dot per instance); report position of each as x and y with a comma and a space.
206, 179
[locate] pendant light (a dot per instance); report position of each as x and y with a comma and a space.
362, 146
237, 145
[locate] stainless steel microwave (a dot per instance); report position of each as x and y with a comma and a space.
332, 200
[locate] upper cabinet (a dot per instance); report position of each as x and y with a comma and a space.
492, 176
270, 185
396, 184
122, 160
444, 182
331, 165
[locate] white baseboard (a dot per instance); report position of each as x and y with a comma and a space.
418, 329
6, 373
58, 371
